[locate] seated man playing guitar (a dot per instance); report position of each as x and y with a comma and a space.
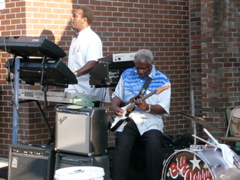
144, 122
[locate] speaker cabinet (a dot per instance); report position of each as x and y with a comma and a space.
31, 162
81, 131
69, 160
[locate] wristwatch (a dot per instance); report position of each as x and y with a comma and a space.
149, 108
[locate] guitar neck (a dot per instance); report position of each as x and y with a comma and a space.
142, 98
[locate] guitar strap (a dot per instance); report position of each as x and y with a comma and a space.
145, 85
142, 91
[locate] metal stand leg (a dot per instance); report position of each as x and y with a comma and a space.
52, 136
16, 101
16, 105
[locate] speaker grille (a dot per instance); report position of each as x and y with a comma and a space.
26, 162
82, 131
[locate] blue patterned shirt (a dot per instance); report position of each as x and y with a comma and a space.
130, 85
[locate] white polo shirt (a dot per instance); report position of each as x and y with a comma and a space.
87, 46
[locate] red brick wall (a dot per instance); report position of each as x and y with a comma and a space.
220, 29
195, 78
195, 57
124, 26
214, 59
194, 43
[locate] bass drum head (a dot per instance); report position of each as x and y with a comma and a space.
185, 164
198, 165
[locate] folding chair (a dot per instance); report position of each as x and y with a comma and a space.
233, 128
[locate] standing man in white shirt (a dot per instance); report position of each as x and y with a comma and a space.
84, 52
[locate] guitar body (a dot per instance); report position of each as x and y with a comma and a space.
116, 121
113, 123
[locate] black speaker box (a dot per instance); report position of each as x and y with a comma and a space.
70, 160
31, 162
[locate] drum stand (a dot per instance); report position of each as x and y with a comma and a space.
202, 122
195, 132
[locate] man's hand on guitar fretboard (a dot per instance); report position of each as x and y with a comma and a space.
141, 104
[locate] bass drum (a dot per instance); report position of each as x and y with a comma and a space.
198, 165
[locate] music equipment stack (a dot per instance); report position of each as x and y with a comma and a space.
81, 138
40, 60
81, 134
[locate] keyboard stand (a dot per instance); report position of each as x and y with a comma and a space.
52, 132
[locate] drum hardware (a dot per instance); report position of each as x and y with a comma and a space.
194, 147
236, 159
211, 144
200, 121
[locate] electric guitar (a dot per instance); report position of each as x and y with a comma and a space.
115, 121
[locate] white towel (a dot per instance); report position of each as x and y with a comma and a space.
227, 154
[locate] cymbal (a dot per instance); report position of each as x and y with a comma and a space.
200, 121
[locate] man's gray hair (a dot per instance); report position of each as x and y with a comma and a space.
144, 53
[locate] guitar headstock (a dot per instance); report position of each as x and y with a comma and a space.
163, 88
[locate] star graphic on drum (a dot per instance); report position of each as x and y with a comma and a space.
195, 163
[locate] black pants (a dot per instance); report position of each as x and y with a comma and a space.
152, 141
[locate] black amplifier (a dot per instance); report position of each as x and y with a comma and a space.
31, 162
107, 74
81, 131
